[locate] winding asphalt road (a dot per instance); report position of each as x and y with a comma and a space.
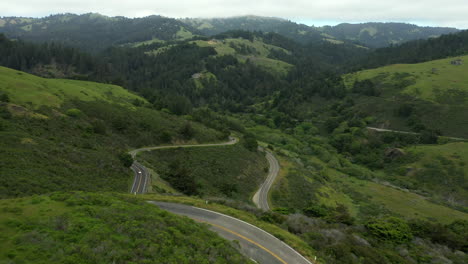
260, 199
142, 175
254, 242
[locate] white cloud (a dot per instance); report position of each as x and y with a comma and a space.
429, 12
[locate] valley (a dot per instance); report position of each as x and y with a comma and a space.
243, 139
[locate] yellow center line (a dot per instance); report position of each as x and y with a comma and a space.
246, 239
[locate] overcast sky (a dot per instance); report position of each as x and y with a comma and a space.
453, 13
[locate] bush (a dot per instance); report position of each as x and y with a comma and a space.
4, 98
73, 112
187, 131
126, 159
250, 142
390, 229
317, 210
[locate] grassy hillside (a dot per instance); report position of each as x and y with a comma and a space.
431, 95
436, 81
441, 170
229, 171
78, 227
75, 140
255, 51
32, 91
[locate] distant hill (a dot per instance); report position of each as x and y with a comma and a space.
94, 32
298, 32
370, 34
449, 45
384, 34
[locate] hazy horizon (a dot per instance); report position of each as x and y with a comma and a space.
449, 13
308, 22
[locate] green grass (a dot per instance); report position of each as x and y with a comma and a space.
426, 81
439, 170
457, 152
436, 92
32, 91
79, 227
258, 53
406, 204
147, 42
183, 33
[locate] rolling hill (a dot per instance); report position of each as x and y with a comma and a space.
433, 94
372, 35
377, 35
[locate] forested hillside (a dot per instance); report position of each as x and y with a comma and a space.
373, 35
377, 35
94, 32
449, 45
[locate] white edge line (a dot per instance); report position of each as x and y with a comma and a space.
134, 179
136, 151
255, 228
146, 179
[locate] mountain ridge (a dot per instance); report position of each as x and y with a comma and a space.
86, 29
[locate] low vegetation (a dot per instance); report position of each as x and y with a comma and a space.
81, 227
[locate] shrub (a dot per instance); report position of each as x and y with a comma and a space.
4, 98
126, 159
250, 142
73, 112
391, 229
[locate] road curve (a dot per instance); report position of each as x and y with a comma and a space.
142, 175
254, 242
260, 199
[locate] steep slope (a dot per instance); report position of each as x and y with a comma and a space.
94, 32
71, 135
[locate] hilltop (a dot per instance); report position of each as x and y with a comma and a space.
372, 35
95, 32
